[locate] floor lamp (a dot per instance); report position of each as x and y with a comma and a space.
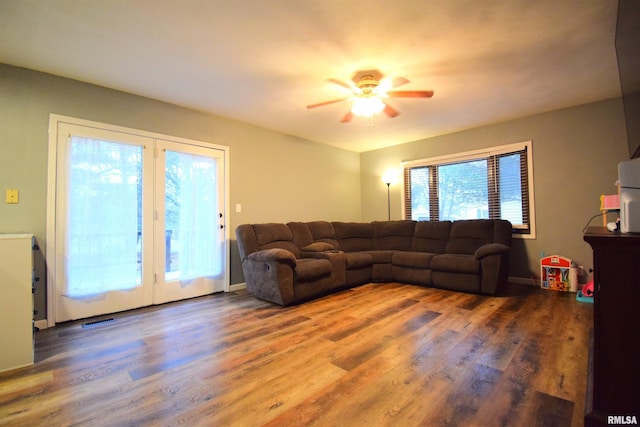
389, 178
388, 201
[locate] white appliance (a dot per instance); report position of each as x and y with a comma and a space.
629, 180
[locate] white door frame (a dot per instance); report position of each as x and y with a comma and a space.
50, 252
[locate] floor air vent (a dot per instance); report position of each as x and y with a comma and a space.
96, 323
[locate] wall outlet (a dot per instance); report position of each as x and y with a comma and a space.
11, 195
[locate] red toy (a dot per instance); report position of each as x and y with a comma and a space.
556, 274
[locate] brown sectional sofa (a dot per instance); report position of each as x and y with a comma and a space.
298, 261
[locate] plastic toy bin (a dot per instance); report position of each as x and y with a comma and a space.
557, 274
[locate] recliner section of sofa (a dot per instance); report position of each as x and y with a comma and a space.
294, 262
272, 264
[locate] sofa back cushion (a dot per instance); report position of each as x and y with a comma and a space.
502, 232
354, 236
322, 231
431, 236
300, 233
247, 243
393, 235
468, 235
270, 236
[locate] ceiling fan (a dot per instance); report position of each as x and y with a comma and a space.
369, 88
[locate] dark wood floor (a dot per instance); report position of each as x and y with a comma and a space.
380, 354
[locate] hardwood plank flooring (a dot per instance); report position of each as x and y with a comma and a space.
376, 355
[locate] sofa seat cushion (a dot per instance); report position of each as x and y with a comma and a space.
455, 263
308, 269
412, 259
381, 257
357, 260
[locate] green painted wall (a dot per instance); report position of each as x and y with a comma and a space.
275, 177
280, 178
576, 152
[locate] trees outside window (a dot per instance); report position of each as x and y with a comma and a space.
495, 183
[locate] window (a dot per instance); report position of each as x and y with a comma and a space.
492, 183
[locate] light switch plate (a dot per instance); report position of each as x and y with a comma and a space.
11, 195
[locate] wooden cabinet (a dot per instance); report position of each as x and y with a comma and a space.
615, 357
16, 301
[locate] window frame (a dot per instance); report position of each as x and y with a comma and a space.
482, 154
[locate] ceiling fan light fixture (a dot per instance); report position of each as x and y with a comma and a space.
367, 106
369, 88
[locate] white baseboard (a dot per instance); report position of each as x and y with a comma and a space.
44, 323
41, 324
237, 287
512, 279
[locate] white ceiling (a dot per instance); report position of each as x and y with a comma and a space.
263, 61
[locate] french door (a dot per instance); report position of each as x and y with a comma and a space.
191, 224
139, 220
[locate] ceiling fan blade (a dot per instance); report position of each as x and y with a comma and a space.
410, 93
321, 104
399, 81
390, 111
340, 83
347, 117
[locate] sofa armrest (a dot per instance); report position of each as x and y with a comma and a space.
274, 255
491, 249
269, 275
494, 266
318, 247
337, 260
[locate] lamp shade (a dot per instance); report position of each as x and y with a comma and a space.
367, 106
390, 177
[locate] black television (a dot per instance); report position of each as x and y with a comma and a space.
628, 53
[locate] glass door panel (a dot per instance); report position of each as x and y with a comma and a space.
190, 227
100, 195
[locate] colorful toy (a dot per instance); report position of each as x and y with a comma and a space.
556, 274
